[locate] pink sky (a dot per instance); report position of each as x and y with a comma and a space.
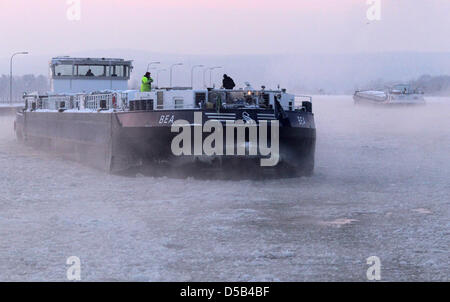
224, 26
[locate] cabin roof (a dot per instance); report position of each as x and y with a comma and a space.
89, 61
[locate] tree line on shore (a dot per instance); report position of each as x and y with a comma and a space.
431, 85
21, 84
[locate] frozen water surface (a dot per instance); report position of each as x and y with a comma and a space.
381, 188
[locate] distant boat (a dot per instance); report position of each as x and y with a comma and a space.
401, 94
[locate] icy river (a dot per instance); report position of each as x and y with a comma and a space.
381, 188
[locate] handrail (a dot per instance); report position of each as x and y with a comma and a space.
80, 101
175, 107
112, 100
304, 96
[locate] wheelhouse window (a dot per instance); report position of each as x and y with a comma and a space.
63, 70
120, 71
117, 71
91, 70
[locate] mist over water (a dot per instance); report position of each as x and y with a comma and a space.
381, 188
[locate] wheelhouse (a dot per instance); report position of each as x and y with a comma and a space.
404, 89
74, 75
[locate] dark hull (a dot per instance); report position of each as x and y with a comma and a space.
117, 142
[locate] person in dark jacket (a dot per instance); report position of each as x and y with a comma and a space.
228, 82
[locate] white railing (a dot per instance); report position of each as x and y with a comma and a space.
57, 102
177, 107
99, 101
299, 99
303, 98
104, 101
119, 101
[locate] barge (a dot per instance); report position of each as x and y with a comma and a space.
401, 94
97, 121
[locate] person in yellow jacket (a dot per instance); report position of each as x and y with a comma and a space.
146, 84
